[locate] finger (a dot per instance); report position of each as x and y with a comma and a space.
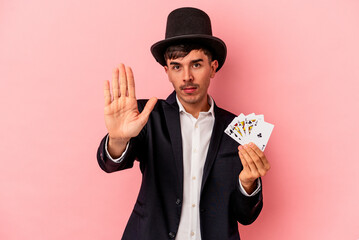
123, 80
249, 161
147, 110
244, 162
107, 93
115, 84
130, 82
246, 158
256, 160
261, 155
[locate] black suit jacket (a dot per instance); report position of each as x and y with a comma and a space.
158, 148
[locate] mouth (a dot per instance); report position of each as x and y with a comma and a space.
189, 89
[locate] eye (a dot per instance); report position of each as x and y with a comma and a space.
175, 67
196, 65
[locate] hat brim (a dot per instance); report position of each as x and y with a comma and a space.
215, 45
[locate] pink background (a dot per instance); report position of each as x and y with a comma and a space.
296, 62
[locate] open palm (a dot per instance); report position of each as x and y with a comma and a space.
122, 118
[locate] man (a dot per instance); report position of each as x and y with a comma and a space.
196, 182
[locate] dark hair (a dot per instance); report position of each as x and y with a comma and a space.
182, 50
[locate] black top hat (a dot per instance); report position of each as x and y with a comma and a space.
190, 25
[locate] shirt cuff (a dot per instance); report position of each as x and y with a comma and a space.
259, 186
116, 160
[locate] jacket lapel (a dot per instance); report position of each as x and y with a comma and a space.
216, 139
171, 112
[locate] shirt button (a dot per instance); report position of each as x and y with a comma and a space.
192, 233
171, 234
194, 150
193, 178
196, 126
193, 205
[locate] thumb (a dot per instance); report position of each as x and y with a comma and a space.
147, 110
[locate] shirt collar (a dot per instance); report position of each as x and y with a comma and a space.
210, 102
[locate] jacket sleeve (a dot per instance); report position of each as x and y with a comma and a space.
108, 165
247, 208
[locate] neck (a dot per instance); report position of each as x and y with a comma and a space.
196, 108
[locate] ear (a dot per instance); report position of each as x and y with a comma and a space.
167, 72
214, 66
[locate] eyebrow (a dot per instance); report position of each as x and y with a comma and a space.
197, 60
193, 61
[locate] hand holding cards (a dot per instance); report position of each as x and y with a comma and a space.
250, 128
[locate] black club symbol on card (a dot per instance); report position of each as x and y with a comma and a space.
259, 135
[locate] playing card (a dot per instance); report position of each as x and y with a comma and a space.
233, 134
260, 134
250, 121
250, 128
239, 125
233, 131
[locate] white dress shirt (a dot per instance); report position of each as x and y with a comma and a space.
196, 135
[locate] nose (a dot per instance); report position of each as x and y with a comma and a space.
187, 74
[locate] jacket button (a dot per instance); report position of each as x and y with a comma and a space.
178, 201
171, 234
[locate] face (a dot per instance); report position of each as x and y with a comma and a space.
190, 77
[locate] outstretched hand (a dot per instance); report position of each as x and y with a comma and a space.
122, 118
